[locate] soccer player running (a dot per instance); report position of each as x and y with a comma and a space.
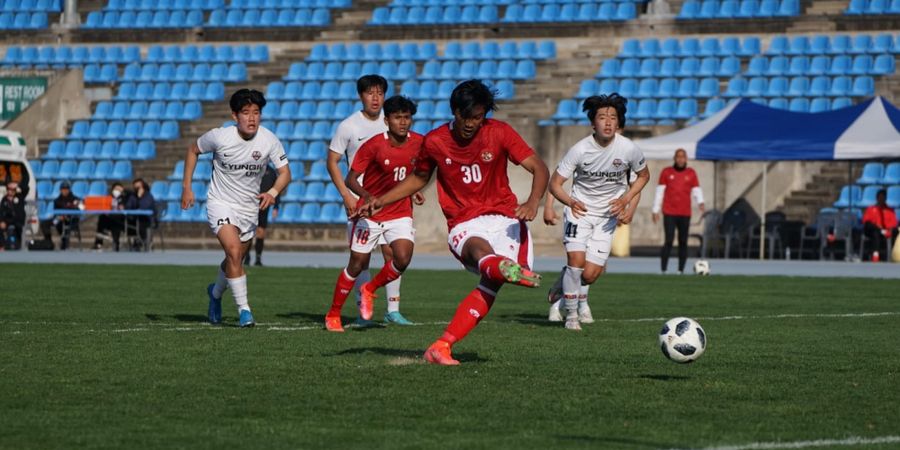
600, 166
240, 155
488, 233
383, 161
350, 135
677, 184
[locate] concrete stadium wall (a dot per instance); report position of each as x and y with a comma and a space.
47, 118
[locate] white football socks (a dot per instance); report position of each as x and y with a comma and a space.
392, 292
220, 285
571, 290
583, 294
239, 291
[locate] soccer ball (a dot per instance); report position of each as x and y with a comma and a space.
701, 267
682, 340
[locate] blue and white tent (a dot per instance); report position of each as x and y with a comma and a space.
748, 131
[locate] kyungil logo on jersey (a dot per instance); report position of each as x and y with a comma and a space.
256, 155
487, 156
617, 162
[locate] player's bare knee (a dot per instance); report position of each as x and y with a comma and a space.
591, 274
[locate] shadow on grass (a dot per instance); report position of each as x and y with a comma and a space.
599, 441
402, 353
197, 318
531, 319
664, 377
349, 322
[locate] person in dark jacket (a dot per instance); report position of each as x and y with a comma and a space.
141, 198
63, 224
12, 217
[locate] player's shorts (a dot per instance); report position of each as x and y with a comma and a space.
367, 234
590, 234
219, 214
508, 237
351, 224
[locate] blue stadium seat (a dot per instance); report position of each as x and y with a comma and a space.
863, 87
840, 45
862, 65
629, 68
873, 173
709, 66
799, 86
893, 197
840, 86
891, 174
609, 68
713, 106
670, 47
109, 150
709, 47
49, 169
649, 68
884, 65
709, 87
91, 150
850, 196
841, 102
55, 150
566, 109
690, 67
309, 213
687, 108
869, 194
778, 87
97, 188
649, 48
799, 104
669, 67
85, 170
690, 10
73, 149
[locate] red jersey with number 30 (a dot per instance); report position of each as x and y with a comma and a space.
384, 166
472, 180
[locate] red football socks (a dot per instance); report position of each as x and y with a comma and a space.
489, 266
388, 273
342, 289
470, 311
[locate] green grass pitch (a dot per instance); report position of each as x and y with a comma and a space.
120, 357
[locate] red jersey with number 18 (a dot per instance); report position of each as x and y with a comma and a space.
384, 166
472, 179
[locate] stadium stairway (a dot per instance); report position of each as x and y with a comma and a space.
820, 192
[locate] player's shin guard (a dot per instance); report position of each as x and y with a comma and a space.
470, 311
238, 288
220, 285
571, 290
341, 290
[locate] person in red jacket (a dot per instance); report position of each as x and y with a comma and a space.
879, 223
677, 184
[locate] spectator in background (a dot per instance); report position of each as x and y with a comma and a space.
142, 199
64, 224
879, 224
12, 217
112, 224
677, 184
267, 182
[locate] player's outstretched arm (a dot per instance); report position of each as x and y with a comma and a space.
190, 163
540, 176
404, 189
619, 206
267, 199
556, 190
334, 171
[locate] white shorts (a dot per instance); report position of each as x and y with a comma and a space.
590, 234
367, 234
350, 224
508, 237
219, 214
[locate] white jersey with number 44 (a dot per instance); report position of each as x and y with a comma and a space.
239, 165
600, 174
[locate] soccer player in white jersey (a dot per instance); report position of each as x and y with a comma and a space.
240, 155
350, 135
599, 166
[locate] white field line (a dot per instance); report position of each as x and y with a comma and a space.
848, 442
281, 326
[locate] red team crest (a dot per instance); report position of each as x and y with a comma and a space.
487, 156
256, 155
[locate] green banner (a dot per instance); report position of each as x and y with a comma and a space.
17, 93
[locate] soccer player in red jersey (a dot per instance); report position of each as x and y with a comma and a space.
383, 161
677, 184
488, 231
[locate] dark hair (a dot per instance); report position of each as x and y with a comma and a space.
244, 97
469, 94
614, 100
366, 82
118, 184
881, 192
143, 183
399, 103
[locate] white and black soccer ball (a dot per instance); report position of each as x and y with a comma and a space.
682, 340
701, 267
